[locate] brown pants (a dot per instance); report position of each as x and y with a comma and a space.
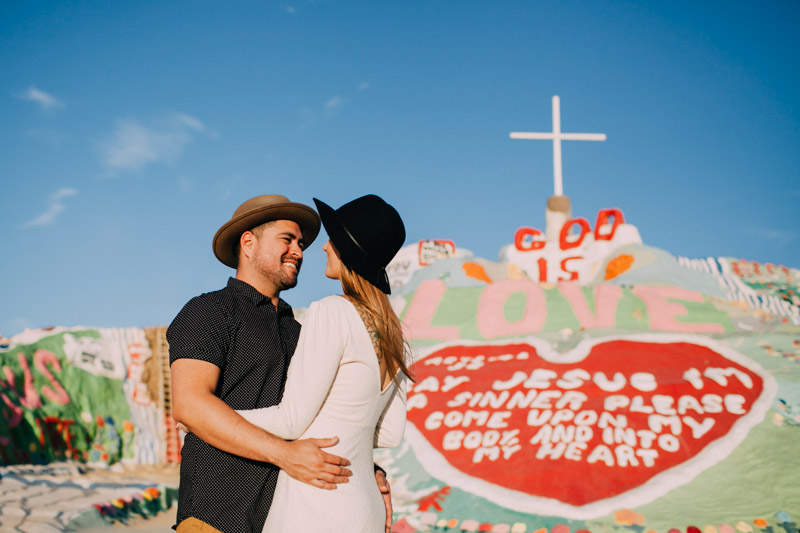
193, 525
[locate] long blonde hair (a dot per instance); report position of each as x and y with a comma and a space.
380, 319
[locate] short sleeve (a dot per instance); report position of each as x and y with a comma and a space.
199, 331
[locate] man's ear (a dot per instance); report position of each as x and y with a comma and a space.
246, 244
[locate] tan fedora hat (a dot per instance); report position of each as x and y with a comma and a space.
257, 211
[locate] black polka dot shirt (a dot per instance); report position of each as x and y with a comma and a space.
237, 329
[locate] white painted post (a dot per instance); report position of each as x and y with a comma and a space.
558, 182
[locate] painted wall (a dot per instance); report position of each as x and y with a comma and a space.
631, 390
592, 383
90, 395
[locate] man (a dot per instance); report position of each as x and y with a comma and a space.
230, 349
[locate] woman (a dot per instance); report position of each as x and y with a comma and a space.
347, 376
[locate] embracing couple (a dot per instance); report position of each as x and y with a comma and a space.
277, 418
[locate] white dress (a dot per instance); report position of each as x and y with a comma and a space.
333, 388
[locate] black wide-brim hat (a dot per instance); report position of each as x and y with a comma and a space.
367, 232
257, 211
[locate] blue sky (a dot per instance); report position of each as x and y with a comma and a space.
130, 132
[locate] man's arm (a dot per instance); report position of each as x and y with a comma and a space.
195, 405
386, 493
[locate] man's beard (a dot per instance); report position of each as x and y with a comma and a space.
287, 281
278, 274
286, 284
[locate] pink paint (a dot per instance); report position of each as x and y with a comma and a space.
31, 399
662, 312
491, 318
469, 525
41, 358
9, 382
606, 297
402, 526
422, 309
13, 414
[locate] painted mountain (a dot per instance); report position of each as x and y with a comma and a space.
586, 381
582, 382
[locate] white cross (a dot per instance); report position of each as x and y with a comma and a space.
557, 137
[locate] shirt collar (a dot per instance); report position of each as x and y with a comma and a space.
248, 291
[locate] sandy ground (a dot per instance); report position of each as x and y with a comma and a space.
161, 522
50, 498
164, 475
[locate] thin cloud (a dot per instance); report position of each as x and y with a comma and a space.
290, 10
334, 105
779, 237
363, 86
190, 122
330, 108
185, 185
227, 187
55, 207
45, 100
307, 118
52, 137
134, 145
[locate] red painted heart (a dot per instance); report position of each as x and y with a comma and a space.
613, 423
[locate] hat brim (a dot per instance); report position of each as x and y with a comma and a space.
227, 236
350, 252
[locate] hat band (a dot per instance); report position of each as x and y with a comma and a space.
369, 257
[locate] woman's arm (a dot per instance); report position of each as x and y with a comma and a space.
392, 424
309, 378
